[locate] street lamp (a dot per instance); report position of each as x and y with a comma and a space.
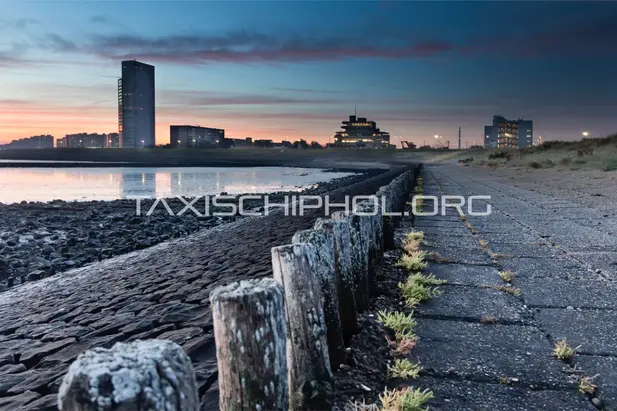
217, 144
585, 133
142, 143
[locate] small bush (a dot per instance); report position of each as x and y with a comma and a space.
414, 292
535, 164
500, 154
586, 386
609, 164
565, 161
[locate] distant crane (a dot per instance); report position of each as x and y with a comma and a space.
407, 145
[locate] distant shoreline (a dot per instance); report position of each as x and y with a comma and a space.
348, 159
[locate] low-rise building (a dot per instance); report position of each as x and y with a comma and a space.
358, 132
195, 137
43, 141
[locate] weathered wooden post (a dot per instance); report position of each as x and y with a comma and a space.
150, 375
250, 335
311, 384
388, 224
323, 241
359, 254
344, 274
375, 251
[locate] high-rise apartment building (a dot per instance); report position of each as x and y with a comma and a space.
136, 117
504, 133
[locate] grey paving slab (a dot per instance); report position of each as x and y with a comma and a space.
455, 230
463, 274
446, 240
526, 250
593, 330
557, 292
597, 259
605, 370
461, 255
520, 237
487, 351
461, 395
564, 268
473, 303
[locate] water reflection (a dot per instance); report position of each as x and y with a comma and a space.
81, 184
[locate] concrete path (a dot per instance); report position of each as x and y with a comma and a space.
486, 349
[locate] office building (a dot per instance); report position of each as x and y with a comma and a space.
195, 137
359, 132
136, 114
33, 142
504, 133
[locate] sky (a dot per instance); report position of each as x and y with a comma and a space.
288, 70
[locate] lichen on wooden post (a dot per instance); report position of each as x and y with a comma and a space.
344, 274
359, 253
311, 384
375, 242
250, 335
150, 375
323, 241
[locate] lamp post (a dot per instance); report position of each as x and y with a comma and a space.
217, 144
142, 143
585, 133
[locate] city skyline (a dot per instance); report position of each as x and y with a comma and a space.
417, 69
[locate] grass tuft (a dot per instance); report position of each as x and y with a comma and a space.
506, 276
562, 350
402, 324
403, 368
483, 244
411, 244
405, 399
413, 261
427, 279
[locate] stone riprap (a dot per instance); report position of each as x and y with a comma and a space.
160, 292
483, 347
39, 239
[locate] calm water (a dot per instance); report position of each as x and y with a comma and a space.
84, 184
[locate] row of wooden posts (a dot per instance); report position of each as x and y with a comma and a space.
279, 339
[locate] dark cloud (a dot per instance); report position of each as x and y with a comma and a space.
205, 98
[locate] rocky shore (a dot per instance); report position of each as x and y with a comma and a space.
40, 239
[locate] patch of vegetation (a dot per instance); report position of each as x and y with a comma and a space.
405, 399
415, 235
415, 292
403, 346
500, 154
403, 368
411, 244
609, 164
565, 161
535, 164
586, 385
508, 289
562, 350
466, 160
413, 261
402, 324
483, 244
506, 276
505, 380
427, 279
